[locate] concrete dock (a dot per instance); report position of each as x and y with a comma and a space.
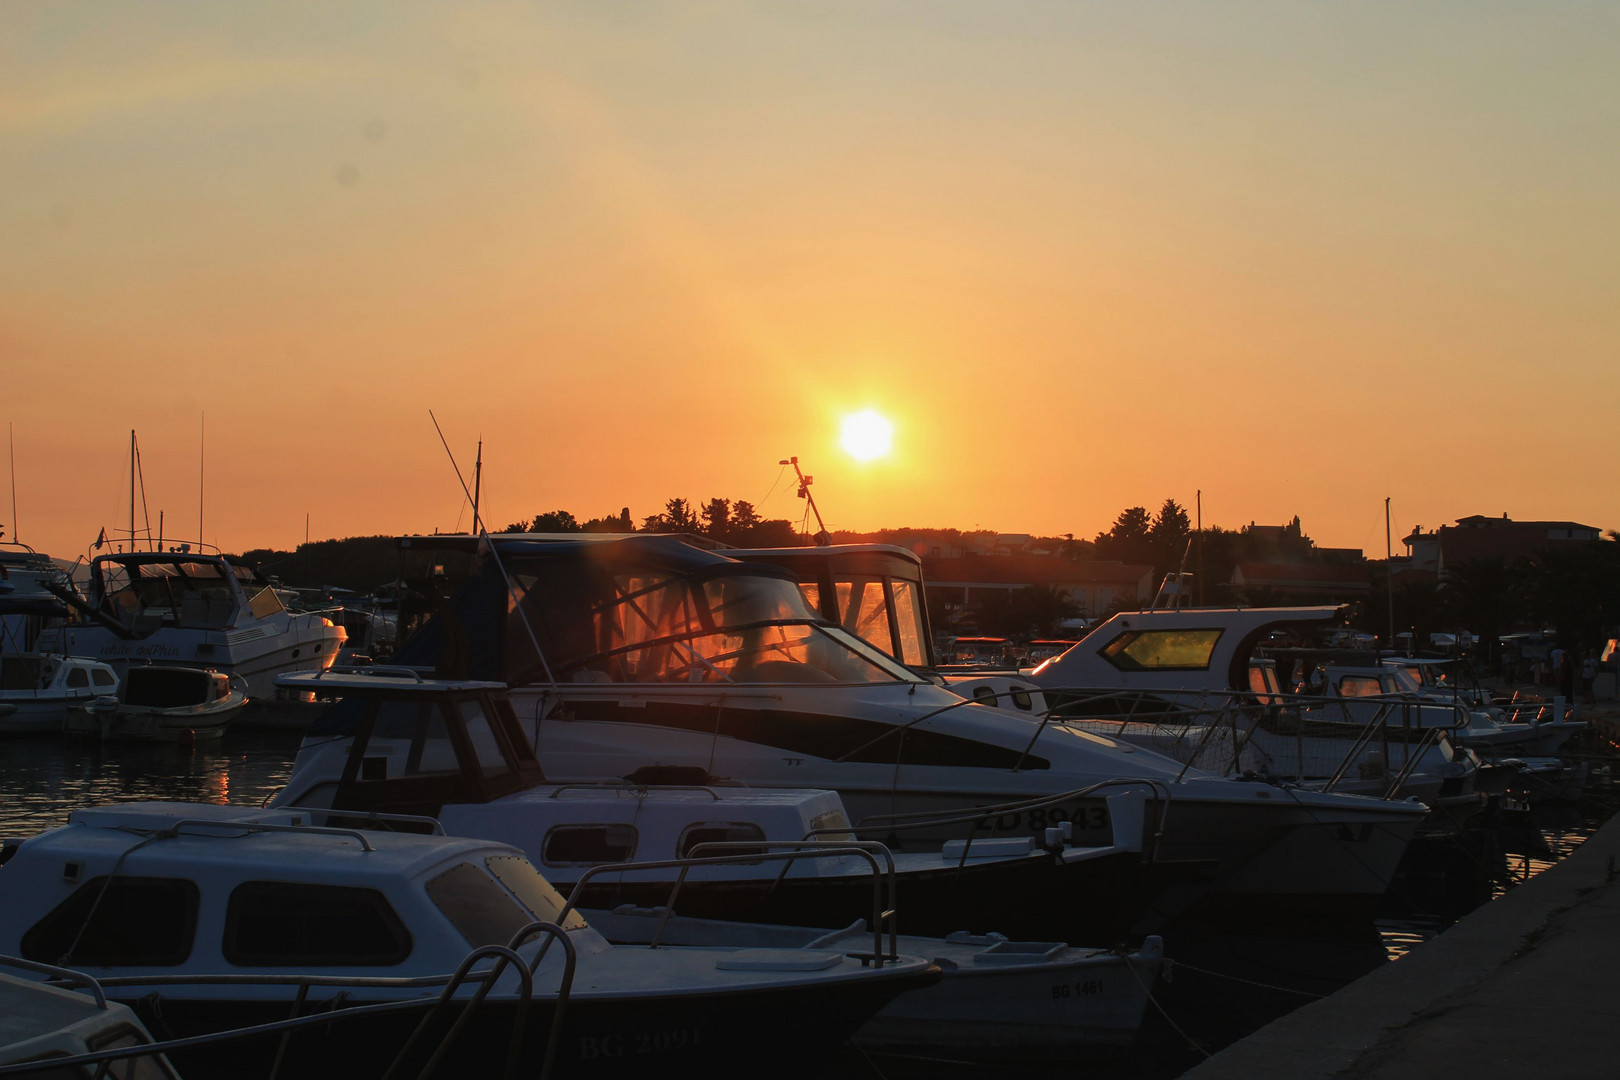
1526, 986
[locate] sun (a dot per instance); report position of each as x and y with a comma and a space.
866, 435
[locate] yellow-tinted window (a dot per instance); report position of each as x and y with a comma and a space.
1162, 650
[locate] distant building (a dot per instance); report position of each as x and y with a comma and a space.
1480, 537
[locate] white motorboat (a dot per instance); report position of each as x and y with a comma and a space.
998, 1001
196, 609
453, 751
345, 945
163, 703
43, 1022
646, 651
41, 692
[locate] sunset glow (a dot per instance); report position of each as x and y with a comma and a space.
1087, 256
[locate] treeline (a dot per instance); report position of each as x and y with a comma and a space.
728, 521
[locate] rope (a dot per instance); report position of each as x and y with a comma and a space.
1148, 990
1172, 964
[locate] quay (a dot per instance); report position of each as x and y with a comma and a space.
1526, 985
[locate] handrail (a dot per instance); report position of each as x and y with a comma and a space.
504, 956
371, 816
754, 857
933, 818
817, 848
625, 785
258, 826
565, 986
58, 974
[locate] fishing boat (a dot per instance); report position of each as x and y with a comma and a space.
42, 692
321, 952
163, 703
65, 1022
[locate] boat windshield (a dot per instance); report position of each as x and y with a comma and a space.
731, 627
181, 592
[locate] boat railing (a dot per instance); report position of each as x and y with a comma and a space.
1265, 734
199, 825
757, 851
367, 818
58, 975
466, 973
975, 817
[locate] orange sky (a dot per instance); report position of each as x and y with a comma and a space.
1084, 256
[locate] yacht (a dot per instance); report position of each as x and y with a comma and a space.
348, 953
646, 651
176, 605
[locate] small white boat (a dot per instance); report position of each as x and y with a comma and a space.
40, 692
999, 1000
352, 944
39, 1021
163, 703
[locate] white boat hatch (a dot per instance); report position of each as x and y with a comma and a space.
778, 960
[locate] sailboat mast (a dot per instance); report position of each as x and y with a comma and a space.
132, 489
478, 481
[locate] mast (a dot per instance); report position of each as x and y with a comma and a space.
11, 436
478, 481
1389, 576
202, 449
822, 537
132, 489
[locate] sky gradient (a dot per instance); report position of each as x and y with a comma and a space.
1083, 256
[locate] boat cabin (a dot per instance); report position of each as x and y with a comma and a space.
417, 744
146, 590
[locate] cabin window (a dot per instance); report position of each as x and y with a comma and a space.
719, 832
78, 678
284, 924
908, 615
431, 751
491, 761
132, 922
103, 677
532, 890
265, 603
865, 612
588, 845
1360, 686
1162, 650
482, 911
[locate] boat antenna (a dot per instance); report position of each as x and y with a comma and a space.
822, 537
511, 591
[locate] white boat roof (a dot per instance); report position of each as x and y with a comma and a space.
1415, 661
204, 836
394, 680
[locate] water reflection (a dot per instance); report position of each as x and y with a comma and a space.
42, 781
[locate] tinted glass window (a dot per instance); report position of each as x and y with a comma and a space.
1359, 686
477, 906
1162, 650
146, 922
536, 893
488, 751
103, 678
77, 678
712, 832
588, 845
431, 752
908, 614
278, 924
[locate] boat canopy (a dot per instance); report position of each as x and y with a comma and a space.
642, 609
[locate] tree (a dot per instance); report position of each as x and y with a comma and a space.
716, 514
557, 521
610, 523
1167, 537
1485, 597
1128, 540
677, 517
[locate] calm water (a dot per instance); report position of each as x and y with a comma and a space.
1215, 991
42, 780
